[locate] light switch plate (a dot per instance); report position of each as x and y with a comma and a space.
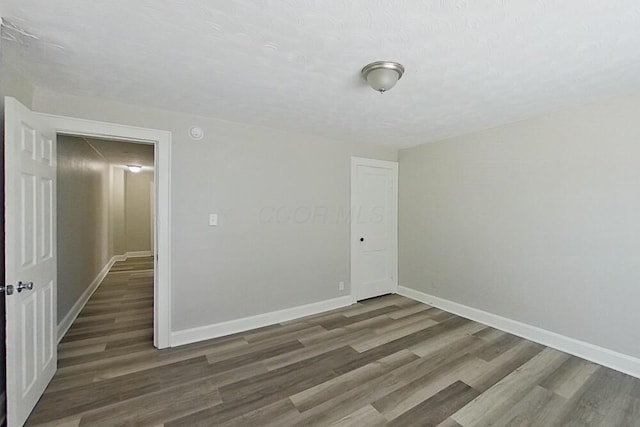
213, 219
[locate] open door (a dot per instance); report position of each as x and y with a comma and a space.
30, 282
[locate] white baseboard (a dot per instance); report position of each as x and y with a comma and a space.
603, 356
66, 323
202, 333
137, 254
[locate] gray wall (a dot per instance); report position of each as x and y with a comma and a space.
82, 218
137, 212
130, 215
537, 221
252, 263
117, 235
11, 84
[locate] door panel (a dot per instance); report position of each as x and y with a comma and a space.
373, 227
46, 197
48, 308
30, 257
29, 340
27, 200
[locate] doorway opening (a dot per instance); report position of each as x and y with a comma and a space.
105, 236
137, 140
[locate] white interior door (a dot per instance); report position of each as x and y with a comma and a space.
30, 209
374, 227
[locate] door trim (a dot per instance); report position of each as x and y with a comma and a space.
162, 177
362, 161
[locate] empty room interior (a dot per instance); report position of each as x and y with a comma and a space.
354, 213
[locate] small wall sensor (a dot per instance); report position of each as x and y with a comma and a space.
196, 133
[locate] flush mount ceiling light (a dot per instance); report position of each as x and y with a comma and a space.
134, 168
382, 75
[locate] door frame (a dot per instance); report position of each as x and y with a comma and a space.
162, 178
362, 161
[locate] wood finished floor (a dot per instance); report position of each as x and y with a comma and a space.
386, 361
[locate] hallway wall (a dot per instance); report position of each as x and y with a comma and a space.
82, 219
137, 211
117, 244
130, 211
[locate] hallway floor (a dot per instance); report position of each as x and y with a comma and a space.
384, 361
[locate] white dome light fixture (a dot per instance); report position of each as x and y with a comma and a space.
134, 168
382, 75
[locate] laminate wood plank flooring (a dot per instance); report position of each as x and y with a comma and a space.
387, 361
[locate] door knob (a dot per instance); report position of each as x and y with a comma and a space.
22, 286
8, 289
362, 239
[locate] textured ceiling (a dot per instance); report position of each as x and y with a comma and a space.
294, 64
